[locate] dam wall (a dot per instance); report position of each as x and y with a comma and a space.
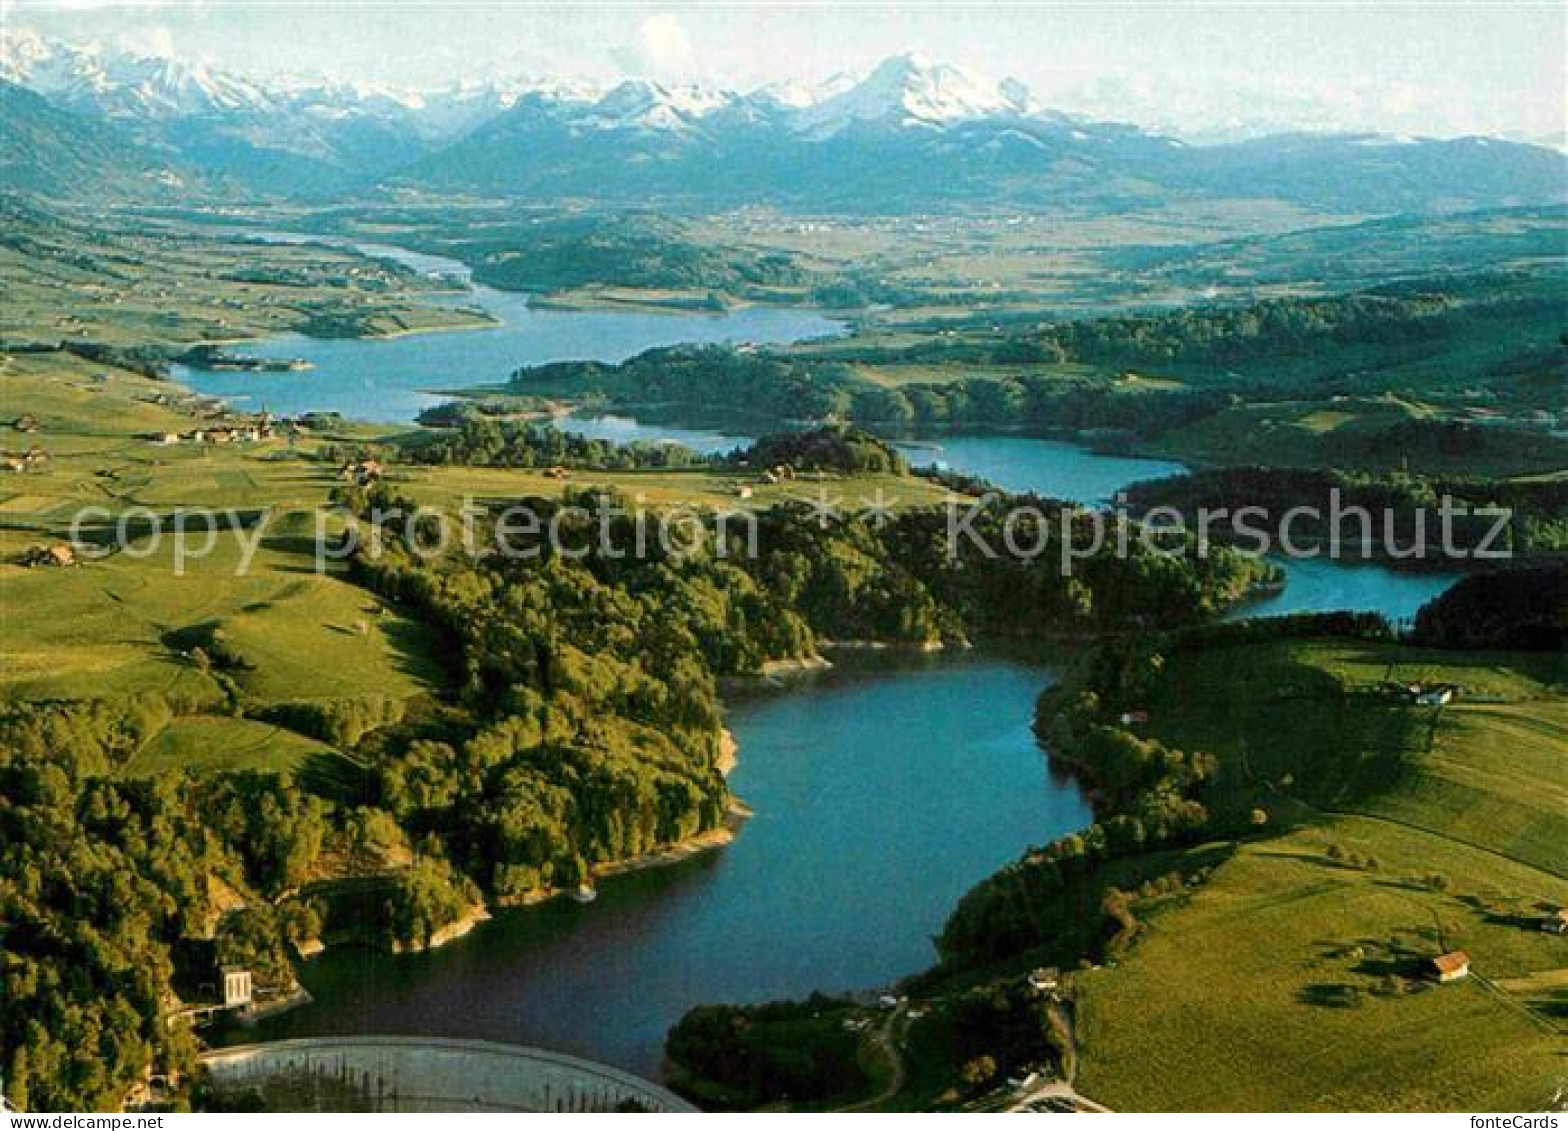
409, 1074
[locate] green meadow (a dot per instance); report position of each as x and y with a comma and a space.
128, 623
1293, 978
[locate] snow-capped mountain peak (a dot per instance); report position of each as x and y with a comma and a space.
906, 90
121, 84
21, 51
912, 90
640, 104
167, 87
800, 95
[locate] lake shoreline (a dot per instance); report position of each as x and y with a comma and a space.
736, 814
810, 911
851, 764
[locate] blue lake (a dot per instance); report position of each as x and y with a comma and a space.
1054, 468
392, 379
883, 789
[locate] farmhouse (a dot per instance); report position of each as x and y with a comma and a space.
1451, 967
60, 554
1556, 923
1423, 694
362, 473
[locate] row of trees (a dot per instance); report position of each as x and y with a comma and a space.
476, 440
1415, 313
471, 438
845, 450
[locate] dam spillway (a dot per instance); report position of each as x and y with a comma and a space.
423, 1074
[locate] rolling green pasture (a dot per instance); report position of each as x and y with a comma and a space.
1265, 990
1291, 979
219, 743
120, 625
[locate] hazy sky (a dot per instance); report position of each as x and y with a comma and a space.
1431, 68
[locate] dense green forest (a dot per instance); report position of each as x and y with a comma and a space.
1404, 510
1489, 341
105, 876
475, 440
1523, 609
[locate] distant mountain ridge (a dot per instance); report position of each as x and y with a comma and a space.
57, 154
911, 135
290, 140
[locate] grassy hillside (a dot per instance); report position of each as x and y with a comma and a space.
1268, 988
126, 624
1292, 978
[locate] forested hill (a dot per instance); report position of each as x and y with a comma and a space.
1442, 371
55, 154
1513, 518
1523, 609
581, 727
549, 251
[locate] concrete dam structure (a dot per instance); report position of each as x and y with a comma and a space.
424, 1074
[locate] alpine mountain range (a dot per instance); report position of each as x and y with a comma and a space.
910, 136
